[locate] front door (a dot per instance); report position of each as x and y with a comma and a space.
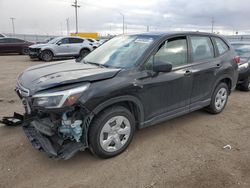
167, 93
62, 47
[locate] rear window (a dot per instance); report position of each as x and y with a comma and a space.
221, 46
202, 48
12, 40
2, 40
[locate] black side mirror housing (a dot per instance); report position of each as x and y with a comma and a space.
162, 67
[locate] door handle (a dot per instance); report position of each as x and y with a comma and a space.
188, 73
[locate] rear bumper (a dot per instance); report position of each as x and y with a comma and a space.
243, 74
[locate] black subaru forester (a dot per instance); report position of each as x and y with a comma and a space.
128, 83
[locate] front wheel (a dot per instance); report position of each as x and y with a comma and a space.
219, 99
46, 55
111, 132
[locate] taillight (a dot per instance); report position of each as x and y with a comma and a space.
237, 59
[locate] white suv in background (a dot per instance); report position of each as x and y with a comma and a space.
61, 47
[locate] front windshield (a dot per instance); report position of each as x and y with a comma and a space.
243, 50
121, 51
53, 41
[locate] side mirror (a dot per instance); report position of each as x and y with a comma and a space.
59, 43
162, 67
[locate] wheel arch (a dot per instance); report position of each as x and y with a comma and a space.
47, 49
226, 79
84, 48
133, 104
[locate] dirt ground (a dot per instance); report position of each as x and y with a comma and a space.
184, 152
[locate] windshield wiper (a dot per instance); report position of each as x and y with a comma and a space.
97, 64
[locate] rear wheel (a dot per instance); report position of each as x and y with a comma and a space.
46, 55
111, 132
25, 51
245, 86
83, 53
219, 99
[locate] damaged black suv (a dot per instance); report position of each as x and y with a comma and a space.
130, 82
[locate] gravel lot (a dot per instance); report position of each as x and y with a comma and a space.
184, 152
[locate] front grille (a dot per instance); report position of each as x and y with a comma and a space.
34, 49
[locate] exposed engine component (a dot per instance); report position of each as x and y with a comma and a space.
69, 129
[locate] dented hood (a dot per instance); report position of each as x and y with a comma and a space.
50, 75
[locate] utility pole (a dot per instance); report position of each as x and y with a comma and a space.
67, 24
13, 24
212, 24
76, 7
61, 28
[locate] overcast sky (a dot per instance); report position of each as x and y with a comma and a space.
104, 16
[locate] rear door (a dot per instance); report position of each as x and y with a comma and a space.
76, 45
204, 66
16, 45
3, 46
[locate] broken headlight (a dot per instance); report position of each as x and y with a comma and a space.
59, 99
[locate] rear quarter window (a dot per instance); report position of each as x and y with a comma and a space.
221, 46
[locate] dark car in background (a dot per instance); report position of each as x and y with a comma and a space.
243, 50
14, 45
128, 83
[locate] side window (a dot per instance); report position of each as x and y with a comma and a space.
172, 51
202, 48
64, 41
221, 45
75, 40
11, 40
3, 41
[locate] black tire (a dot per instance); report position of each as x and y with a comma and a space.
46, 55
99, 122
212, 108
83, 53
245, 86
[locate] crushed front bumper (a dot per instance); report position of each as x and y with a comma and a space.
50, 145
34, 52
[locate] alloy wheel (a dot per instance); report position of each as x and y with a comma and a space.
221, 99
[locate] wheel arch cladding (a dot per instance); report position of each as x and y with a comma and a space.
48, 49
226, 79
85, 48
130, 102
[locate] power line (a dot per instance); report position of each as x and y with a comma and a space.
76, 7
